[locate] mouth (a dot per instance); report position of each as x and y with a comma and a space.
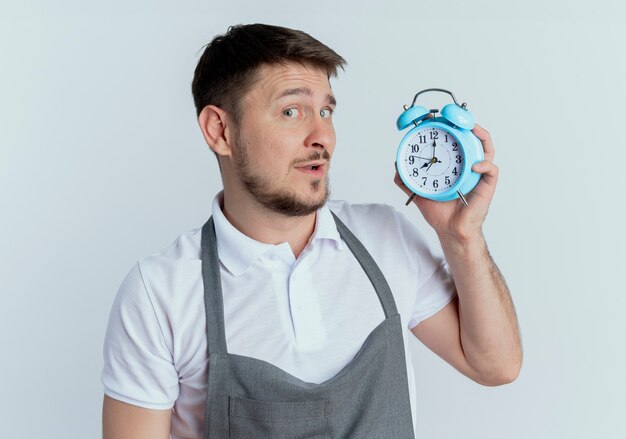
315, 169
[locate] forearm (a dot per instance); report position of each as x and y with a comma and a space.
488, 323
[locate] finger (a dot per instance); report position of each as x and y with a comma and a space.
489, 172
485, 139
398, 181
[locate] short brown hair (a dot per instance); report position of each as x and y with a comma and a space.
227, 68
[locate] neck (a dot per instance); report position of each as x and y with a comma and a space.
261, 224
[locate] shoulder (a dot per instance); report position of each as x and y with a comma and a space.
158, 286
388, 233
372, 219
379, 226
182, 253
186, 246
362, 214
161, 277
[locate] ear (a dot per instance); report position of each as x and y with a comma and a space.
214, 123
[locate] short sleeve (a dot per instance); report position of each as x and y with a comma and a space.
138, 366
436, 292
435, 287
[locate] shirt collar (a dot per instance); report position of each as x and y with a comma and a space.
326, 228
238, 251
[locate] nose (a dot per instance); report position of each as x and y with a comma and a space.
321, 133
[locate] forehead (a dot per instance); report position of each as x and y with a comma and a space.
273, 80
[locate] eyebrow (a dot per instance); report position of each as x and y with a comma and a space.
307, 92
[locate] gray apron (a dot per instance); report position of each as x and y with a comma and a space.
251, 398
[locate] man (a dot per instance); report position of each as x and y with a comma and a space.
285, 315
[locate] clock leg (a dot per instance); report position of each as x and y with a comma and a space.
410, 199
462, 197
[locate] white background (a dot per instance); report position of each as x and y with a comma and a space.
102, 162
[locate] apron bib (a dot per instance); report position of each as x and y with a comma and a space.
251, 398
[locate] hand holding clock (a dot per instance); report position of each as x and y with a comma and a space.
452, 219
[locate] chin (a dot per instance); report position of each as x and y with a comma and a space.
294, 205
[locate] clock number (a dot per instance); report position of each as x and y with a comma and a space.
458, 159
446, 138
411, 160
422, 138
455, 146
425, 179
435, 184
415, 148
434, 135
415, 172
448, 179
455, 172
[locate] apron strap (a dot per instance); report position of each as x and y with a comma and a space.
213, 298
370, 267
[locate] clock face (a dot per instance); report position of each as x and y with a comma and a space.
431, 159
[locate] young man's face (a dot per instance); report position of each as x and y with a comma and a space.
286, 126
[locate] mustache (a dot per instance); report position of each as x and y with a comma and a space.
315, 156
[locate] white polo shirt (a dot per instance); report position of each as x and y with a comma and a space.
309, 316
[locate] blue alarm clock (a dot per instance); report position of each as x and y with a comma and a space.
436, 156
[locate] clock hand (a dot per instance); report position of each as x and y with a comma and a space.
431, 163
434, 145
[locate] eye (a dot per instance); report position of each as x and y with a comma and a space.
291, 112
326, 112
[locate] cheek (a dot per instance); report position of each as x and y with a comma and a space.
271, 152
258, 143
279, 144
266, 136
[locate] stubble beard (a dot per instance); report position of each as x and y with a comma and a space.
264, 188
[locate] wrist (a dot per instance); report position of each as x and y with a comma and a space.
465, 247
461, 238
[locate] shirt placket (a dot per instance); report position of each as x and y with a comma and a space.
306, 316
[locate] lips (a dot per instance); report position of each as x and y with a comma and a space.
315, 169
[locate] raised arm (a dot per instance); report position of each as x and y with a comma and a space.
479, 333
